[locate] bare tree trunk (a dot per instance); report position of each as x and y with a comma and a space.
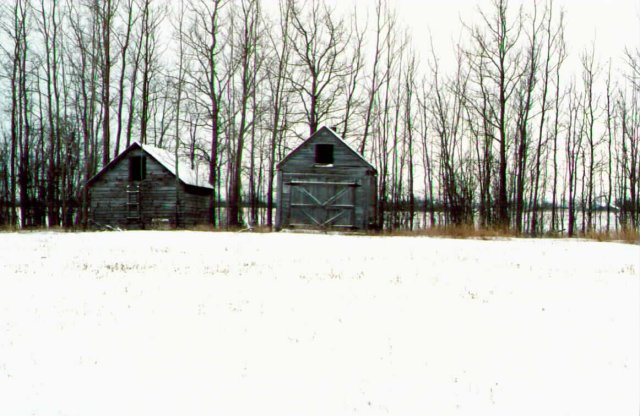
630, 163
106, 13
204, 42
277, 89
610, 173
556, 127
124, 50
382, 12
24, 131
573, 146
151, 21
551, 42
411, 85
84, 65
589, 72
256, 118
131, 105
49, 29
180, 80
353, 78
526, 102
247, 84
427, 160
497, 54
16, 30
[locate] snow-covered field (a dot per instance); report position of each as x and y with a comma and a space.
198, 323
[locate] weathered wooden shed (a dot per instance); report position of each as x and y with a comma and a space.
138, 189
325, 183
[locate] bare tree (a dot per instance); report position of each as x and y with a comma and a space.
483, 131
179, 87
257, 109
105, 13
393, 130
49, 26
276, 73
610, 114
410, 87
385, 25
589, 73
15, 26
573, 149
427, 156
497, 54
561, 56
83, 60
203, 41
151, 19
125, 41
352, 79
447, 112
248, 14
525, 103
554, 56
629, 200
385, 129
318, 41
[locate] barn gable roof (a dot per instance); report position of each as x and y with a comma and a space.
339, 139
192, 177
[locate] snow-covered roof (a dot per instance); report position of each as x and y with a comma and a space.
195, 177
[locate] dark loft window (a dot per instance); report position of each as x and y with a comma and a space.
137, 168
324, 154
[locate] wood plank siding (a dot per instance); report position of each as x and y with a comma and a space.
324, 183
120, 201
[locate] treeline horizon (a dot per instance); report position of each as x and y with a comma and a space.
508, 138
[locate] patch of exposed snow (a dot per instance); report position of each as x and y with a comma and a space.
191, 323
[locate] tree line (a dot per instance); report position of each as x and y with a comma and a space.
508, 138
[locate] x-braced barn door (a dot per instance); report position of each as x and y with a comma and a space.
322, 204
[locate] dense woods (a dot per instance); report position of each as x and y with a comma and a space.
509, 138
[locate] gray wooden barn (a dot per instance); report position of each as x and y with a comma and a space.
138, 189
324, 183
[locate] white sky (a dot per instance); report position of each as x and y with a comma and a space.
611, 24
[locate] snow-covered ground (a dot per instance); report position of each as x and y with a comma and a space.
198, 323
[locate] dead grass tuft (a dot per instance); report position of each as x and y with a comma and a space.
199, 227
458, 231
209, 228
629, 236
626, 235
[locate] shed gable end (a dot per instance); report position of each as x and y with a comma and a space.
323, 148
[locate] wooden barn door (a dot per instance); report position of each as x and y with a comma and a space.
322, 204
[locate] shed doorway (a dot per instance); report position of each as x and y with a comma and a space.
322, 204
